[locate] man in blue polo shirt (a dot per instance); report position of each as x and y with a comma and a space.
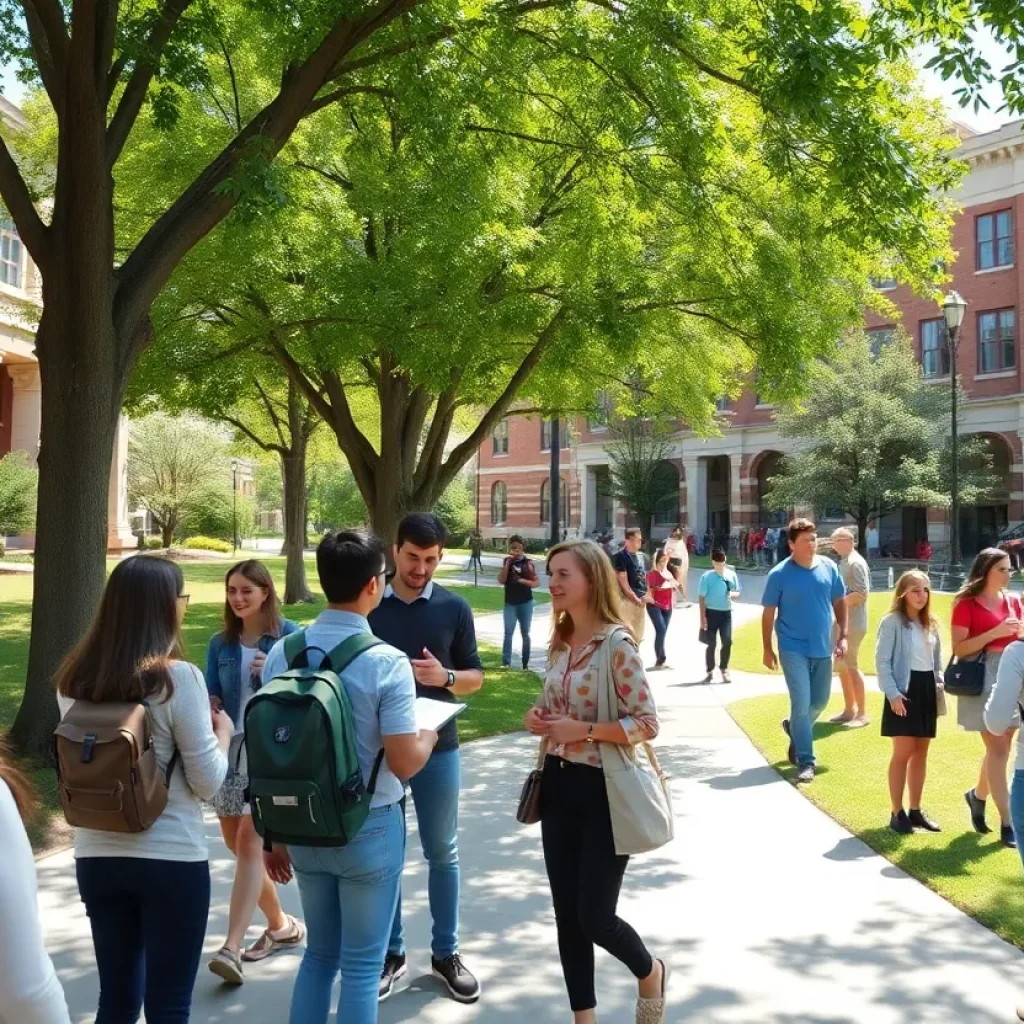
801, 596
434, 628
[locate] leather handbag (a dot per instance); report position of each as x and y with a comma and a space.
528, 811
965, 677
704, 636
639, 798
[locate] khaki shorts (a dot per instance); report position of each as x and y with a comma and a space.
853, 641
636, 617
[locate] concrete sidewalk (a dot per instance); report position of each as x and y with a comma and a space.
768, 911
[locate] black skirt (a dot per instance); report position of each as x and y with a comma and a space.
922, 706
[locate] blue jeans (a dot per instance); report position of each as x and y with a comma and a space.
809, 681
148, 920
348, 899
660, 618
1017, 807
435, 792
523, 614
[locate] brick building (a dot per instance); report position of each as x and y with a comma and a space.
723, 480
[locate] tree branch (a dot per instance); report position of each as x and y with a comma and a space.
48, 35
18, 201
267, 446
350, 90
272, 413
206, 202
331, 176
462, 453
138, 85
362, 459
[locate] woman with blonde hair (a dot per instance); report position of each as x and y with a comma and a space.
908, 661
986, 620
584, 871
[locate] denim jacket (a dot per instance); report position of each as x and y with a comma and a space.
893, 653
224, 668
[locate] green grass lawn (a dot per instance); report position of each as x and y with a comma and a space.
746, 641
499, 707
975, 872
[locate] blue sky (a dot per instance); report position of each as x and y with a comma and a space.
984, 120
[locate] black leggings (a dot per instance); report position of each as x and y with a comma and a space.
585, 875
719, 625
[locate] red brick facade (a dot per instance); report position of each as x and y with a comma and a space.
722, 479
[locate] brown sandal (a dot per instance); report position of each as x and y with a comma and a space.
266, 945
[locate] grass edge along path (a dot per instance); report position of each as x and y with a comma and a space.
975, 873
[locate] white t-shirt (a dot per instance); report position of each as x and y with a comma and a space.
181, 723
29, 990
921, 649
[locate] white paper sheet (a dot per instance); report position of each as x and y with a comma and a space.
432, 714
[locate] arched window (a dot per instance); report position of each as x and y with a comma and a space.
499, 503
501, 438
563, 501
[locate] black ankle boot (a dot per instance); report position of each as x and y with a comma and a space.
977, 812
921, 820
899, 822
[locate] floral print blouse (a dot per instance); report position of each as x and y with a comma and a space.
570, 688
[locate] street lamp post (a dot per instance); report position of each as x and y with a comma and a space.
954, 306
234, 505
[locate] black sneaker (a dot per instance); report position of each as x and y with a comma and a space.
977, 807
461, 984
791, 752
921, 820
1007, 836
394, 968
901, 823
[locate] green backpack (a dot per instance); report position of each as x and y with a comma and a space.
305, 784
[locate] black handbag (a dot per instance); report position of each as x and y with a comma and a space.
966, 677
704, 637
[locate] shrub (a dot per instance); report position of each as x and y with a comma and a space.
207, 544
456, 510
153, 544
18, 482
211, 514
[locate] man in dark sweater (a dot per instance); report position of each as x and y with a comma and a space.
434, 628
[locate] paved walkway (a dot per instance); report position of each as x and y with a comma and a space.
768, 911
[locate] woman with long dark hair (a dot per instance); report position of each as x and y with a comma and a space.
584, 871
234, 664
147, 893
986, 620
29, 990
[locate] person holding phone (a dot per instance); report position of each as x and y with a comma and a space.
986, 620
719, 587
518, 576
252, 625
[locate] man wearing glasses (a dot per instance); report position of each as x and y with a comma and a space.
434, 628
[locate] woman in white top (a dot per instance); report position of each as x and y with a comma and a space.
908, 660
147, 894
29, 990
678, 560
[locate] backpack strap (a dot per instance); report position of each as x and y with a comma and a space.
339, 659
295, 649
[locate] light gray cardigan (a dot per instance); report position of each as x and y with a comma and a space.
893, 653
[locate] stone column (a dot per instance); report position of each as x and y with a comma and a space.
737, 513
691, 471
119, 527
26, 408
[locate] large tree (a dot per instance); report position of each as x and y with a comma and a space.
533, 216
872, 435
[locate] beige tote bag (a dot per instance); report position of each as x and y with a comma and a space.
639, 797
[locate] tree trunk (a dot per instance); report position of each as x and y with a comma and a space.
167, 534
81, 392
293, 473
862, 529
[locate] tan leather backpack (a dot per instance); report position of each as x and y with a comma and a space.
107, 773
